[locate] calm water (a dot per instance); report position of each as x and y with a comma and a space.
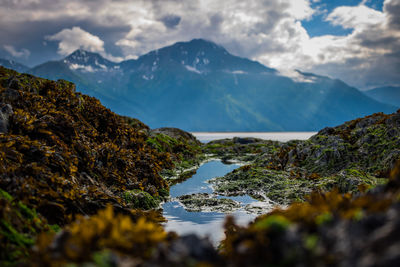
211, 223
275, 136
203, 223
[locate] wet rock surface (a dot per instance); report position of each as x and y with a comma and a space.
208, 202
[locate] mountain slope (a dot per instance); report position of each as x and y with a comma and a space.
11, 64
389, 95
200, 86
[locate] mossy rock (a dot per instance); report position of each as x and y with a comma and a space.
139, 199
207, 202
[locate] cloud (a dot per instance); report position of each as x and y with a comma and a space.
76, 38
269, 31
171, 21
355, 17
245, 28
23, 53
392, 8
370, 55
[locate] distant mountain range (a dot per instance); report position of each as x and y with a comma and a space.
200, 86
11, 64
388, 94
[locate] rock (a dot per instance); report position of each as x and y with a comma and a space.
207, 202
5, 112
197, 248
175, 133
326, 131
186, 251
394, 120
246, 140
14, 83
368, 121
10, 94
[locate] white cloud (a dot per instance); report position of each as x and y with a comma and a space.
355, 17
76, 38
23, 53
300, 9
370, 55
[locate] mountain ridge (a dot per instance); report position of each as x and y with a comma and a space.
386, 94
11, 64
199, 86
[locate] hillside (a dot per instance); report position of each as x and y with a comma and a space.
199, 86
389, 95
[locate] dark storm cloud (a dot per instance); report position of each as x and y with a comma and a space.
393, 9
171, 21
216, 21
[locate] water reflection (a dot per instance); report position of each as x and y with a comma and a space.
198, 182
203, 223
206, 224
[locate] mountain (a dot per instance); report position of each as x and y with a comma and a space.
199, 86
389, 95
88, 62
198, 56
92, 74
11, 64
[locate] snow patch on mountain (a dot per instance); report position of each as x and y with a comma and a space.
238, 72
147, 78
86, 68
192, 69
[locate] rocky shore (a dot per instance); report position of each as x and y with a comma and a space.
358, 153
81, 185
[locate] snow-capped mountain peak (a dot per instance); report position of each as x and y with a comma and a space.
88, 62
197, 56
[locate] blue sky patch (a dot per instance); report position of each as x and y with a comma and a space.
317, 26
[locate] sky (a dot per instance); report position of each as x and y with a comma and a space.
357, 41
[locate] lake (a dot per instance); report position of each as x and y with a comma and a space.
205, 137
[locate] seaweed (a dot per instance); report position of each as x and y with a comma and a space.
65, 154
89, 239
323, 230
